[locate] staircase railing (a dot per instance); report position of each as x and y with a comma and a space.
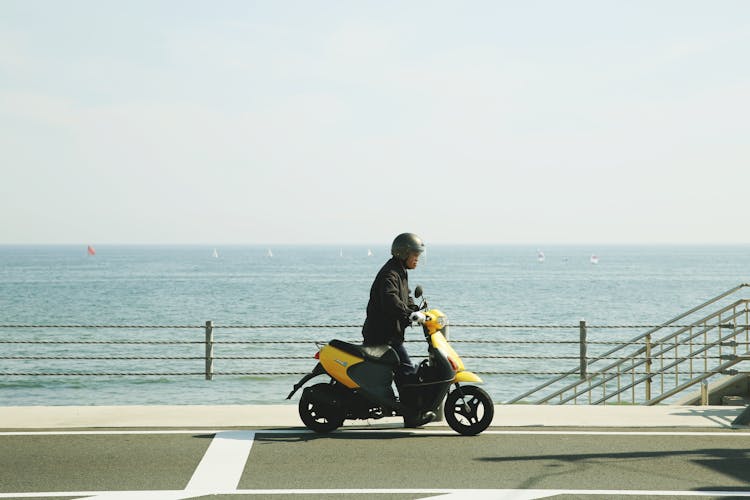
685, 356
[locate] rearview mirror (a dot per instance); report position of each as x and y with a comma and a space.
418, 291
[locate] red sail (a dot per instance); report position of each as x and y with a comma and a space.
91, 250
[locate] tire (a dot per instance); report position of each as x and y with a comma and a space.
319, 416
469, 410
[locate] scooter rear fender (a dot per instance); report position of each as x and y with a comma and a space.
318, 370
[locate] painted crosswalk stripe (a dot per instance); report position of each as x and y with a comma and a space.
223, 463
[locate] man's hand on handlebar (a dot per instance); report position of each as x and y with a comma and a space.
418, 317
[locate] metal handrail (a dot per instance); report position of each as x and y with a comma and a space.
671, 365
643, 361
696, 380
619, 348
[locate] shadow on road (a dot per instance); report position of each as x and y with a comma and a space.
731, 462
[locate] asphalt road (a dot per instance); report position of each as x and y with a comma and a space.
394, 464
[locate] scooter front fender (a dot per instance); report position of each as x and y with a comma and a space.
318, 370
464, 376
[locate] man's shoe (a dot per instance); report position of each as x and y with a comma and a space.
419, 419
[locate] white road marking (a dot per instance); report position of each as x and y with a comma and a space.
220, 470
535, 494
738, 433
496, 495
443, 493
734, 434
113, 432
142, 495
222, 466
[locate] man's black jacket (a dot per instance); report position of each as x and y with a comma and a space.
389, 307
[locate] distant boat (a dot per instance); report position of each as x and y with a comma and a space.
269, 253
91, 250
540, 256
215, 254
594, 259
369, 252
341, 252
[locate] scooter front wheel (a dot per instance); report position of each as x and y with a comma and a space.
316, 414
469, 410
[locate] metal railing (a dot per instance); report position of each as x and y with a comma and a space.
640, 369
226, 345
706, 340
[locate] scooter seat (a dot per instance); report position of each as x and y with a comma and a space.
383, 354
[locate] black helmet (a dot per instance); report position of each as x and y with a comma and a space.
406, 243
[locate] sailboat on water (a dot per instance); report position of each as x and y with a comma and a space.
540, 256
90, 251
269, 254
594, 259
369, 252
215, 254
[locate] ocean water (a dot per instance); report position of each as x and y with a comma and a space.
169, 292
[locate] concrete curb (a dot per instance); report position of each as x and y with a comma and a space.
275, 416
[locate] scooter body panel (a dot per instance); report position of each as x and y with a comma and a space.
337, 364
440, 343
374, 381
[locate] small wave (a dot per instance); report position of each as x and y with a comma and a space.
22, 384
150, 381
261, 378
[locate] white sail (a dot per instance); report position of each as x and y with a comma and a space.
215, 254
269, 253
594, 259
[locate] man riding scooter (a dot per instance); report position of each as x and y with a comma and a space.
391, 309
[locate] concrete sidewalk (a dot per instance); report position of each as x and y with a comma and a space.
275, 416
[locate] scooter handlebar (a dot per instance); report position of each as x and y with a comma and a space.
418, 317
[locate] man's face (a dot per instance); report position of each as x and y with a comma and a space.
412, 260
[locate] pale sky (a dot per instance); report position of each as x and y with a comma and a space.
508, 122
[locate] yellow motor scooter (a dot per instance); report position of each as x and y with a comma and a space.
361, 378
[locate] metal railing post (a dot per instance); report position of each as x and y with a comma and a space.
704, 393
648, 367
582, 332
209, 350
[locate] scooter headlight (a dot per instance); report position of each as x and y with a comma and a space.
444, 329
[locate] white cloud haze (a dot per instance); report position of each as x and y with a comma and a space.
348, 122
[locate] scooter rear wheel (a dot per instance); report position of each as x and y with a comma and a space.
317, 415
469, 410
